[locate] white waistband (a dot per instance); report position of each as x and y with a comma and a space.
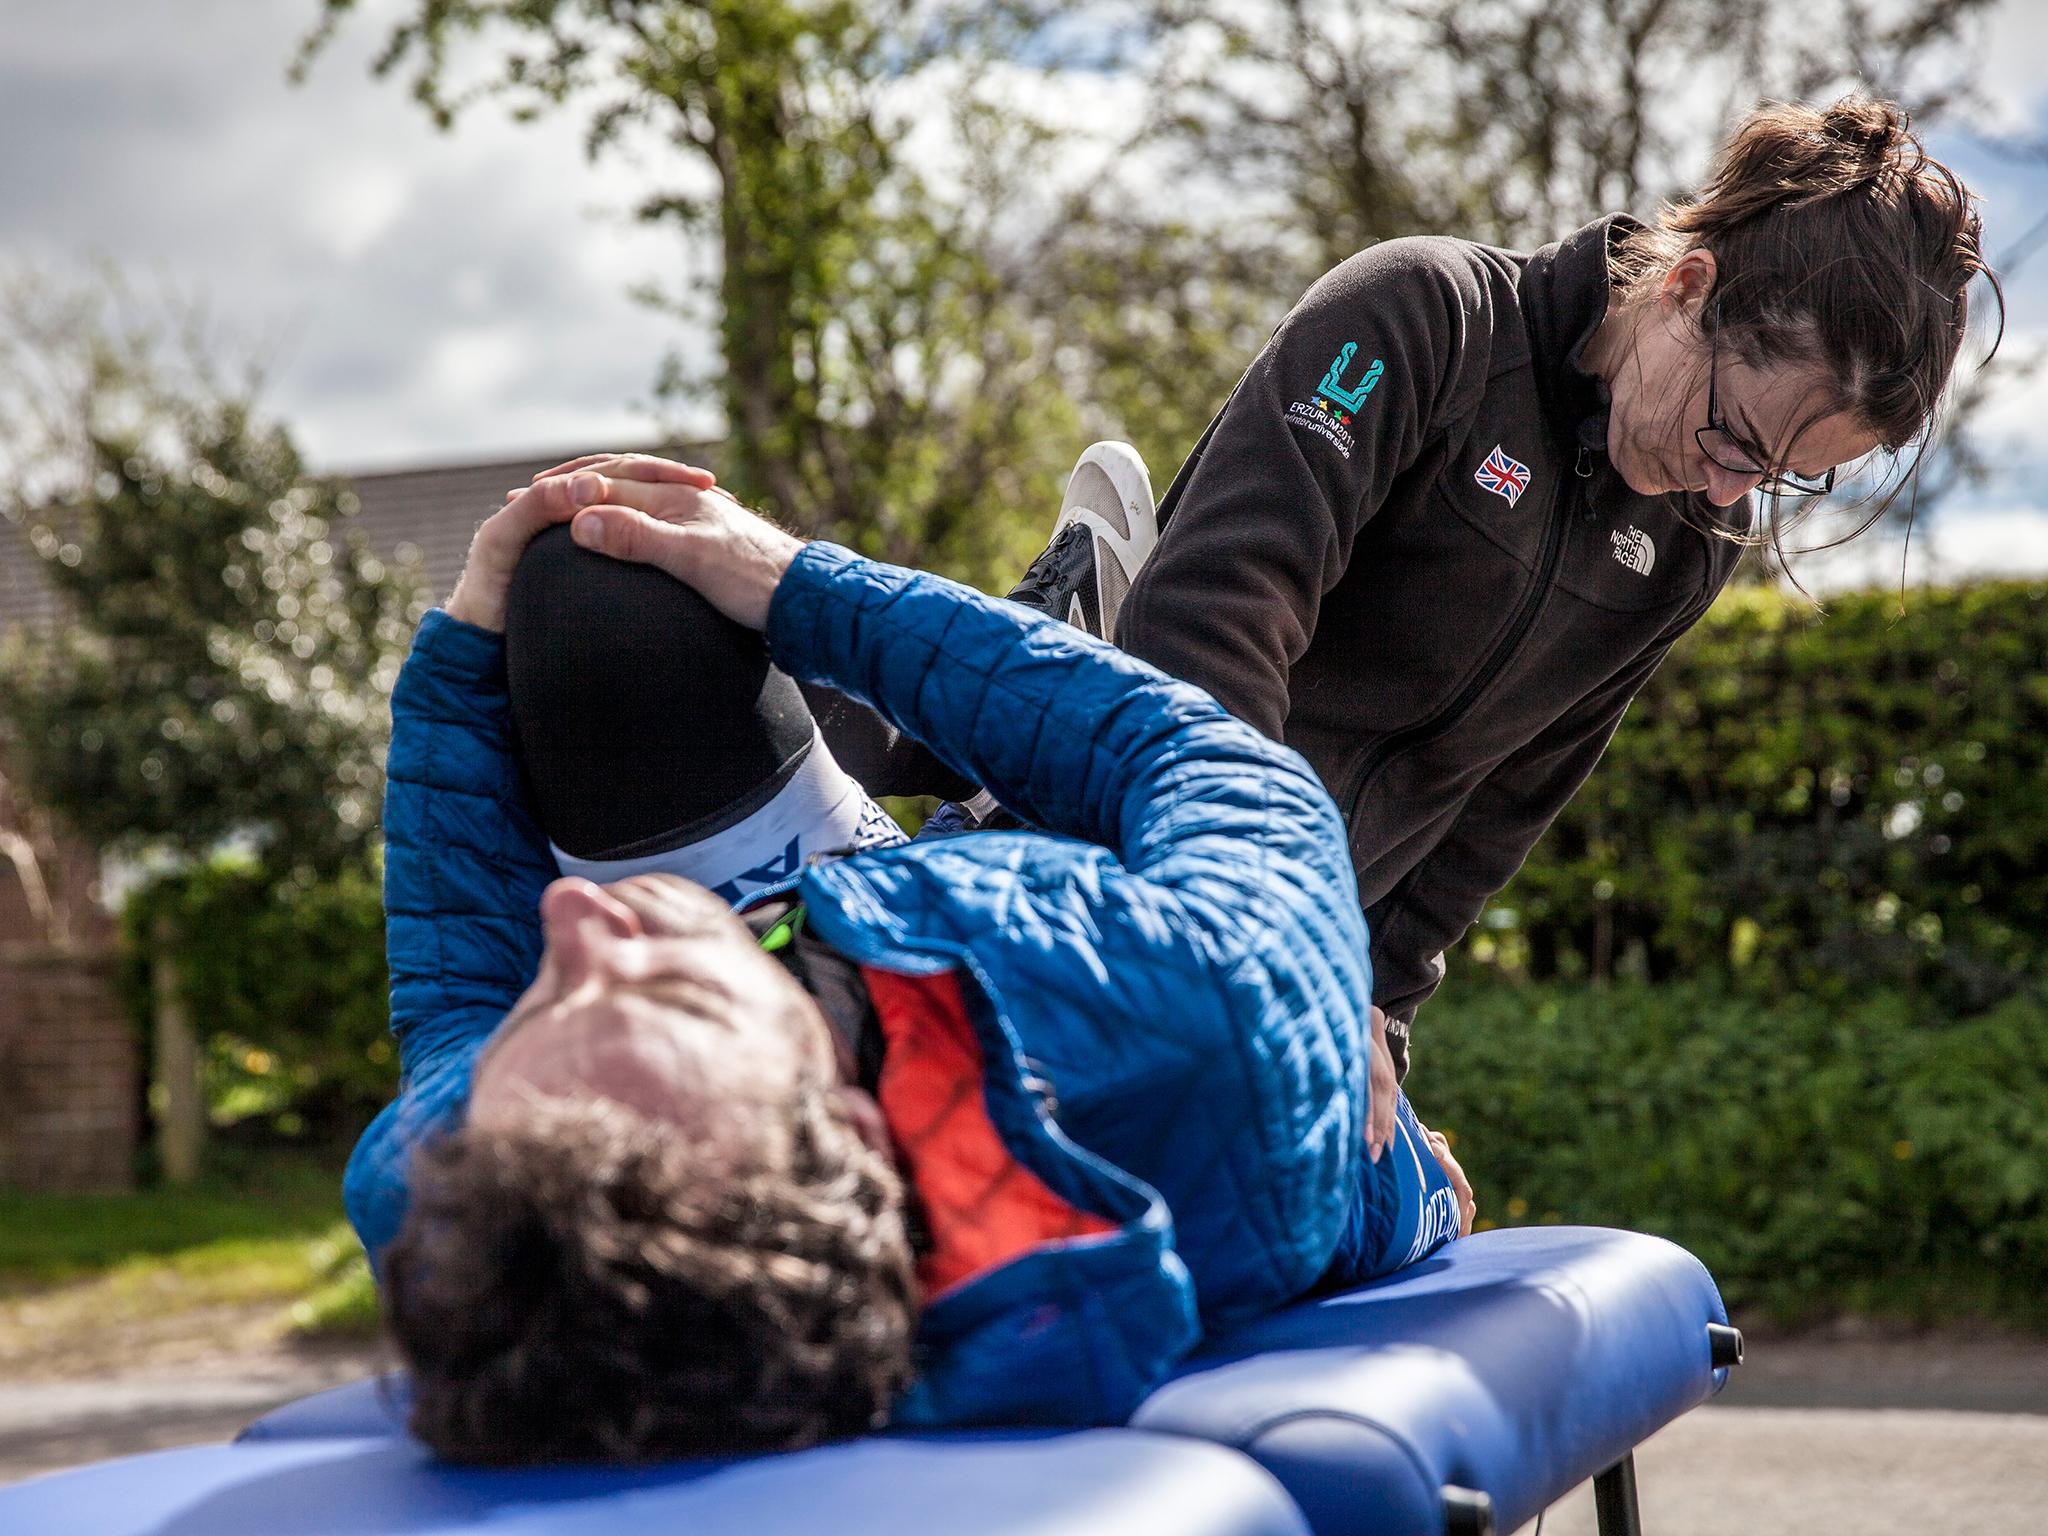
820, 812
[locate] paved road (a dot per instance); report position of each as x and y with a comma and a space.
1725, 1471
45, 1426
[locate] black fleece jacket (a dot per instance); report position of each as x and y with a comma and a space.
1401, 549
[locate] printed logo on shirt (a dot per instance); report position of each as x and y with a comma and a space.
1635, 550
766, 873
877, 829
1332, 386
1503, 476
1328, 412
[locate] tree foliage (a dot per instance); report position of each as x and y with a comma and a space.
879, 378
229, 645
923, 309
288, 984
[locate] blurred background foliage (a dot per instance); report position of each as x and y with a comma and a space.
229, 643
228, 669
288, 977
1812, 803
1871, 1153
1769, 986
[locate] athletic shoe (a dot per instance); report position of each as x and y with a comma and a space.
1106, 529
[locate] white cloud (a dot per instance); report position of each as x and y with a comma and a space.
473, 363
2017, 411
470, 288
1961, 544
2015, 43
446, 295
349, 209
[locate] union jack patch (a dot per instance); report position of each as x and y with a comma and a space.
1503, 476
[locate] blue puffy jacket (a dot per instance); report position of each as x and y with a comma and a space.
1171, 999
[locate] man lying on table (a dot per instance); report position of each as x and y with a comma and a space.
972, 1129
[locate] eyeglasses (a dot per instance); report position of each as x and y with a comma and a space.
1740, 458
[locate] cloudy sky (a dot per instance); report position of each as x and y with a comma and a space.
433, 298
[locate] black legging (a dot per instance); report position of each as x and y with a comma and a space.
881, 758
644, 719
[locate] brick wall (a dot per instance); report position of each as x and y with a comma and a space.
70, 875
69, 1061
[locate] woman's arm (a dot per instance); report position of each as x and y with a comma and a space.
1260, 523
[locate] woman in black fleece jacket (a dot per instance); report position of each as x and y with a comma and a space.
1465, 500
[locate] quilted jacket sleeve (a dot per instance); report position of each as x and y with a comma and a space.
1217, 959
1076, 736
464, 867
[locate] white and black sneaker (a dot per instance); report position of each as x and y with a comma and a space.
1107, 528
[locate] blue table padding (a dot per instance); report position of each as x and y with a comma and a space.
1047, 1483
1519, 1363
359, 1411
1516, 1363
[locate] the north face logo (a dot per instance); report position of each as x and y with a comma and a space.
1635, 550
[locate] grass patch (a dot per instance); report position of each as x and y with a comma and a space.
258, 1249
246, 1197
343, 1305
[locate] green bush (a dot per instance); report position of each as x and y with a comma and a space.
1830, 803
285, 983
1819, 1156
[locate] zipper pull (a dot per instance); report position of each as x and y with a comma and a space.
1585, 465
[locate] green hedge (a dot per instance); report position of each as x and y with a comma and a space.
1828, 803
1869, 1156
285, 982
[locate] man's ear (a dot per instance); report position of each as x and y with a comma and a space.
865, 1116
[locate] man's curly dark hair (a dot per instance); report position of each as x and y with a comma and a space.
583, 1287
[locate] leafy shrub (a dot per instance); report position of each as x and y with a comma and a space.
226, 666
1818, 1155
285, 983
1826, 803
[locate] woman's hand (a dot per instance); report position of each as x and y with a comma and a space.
1467, 1206
1382, 1089
675, 518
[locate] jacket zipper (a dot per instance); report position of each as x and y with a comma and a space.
1449, 715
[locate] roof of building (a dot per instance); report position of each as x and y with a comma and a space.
429, 512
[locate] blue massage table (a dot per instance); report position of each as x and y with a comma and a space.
1463, 1395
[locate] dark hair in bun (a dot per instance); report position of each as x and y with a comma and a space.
1839, 243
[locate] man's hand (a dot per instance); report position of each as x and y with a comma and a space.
1467, 1206
479, 595
675, 518
1379, 1130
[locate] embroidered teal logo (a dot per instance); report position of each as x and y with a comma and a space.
1333, 381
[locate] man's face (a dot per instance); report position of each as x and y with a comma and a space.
651, 993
